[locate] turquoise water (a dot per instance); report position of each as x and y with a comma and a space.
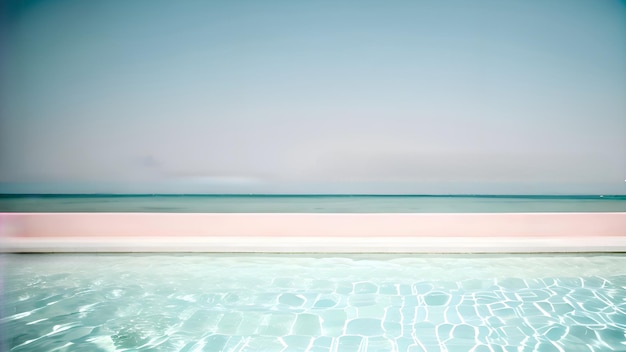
314, 303
309, 204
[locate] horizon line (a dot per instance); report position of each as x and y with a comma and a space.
324, 194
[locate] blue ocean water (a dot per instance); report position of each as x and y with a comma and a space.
312, 203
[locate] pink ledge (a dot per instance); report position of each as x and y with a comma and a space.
37, 225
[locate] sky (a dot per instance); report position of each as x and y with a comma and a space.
310, 97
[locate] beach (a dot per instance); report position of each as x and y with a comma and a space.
314, 232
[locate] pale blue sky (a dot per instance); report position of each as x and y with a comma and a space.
313, 96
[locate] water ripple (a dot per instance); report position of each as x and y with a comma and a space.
179, 303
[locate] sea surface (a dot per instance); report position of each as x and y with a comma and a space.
312, 203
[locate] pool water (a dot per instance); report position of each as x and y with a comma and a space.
207, 302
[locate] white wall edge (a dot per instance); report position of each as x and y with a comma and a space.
243, 244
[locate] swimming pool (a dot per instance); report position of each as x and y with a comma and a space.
210, 302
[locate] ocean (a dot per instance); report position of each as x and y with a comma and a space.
161, 203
